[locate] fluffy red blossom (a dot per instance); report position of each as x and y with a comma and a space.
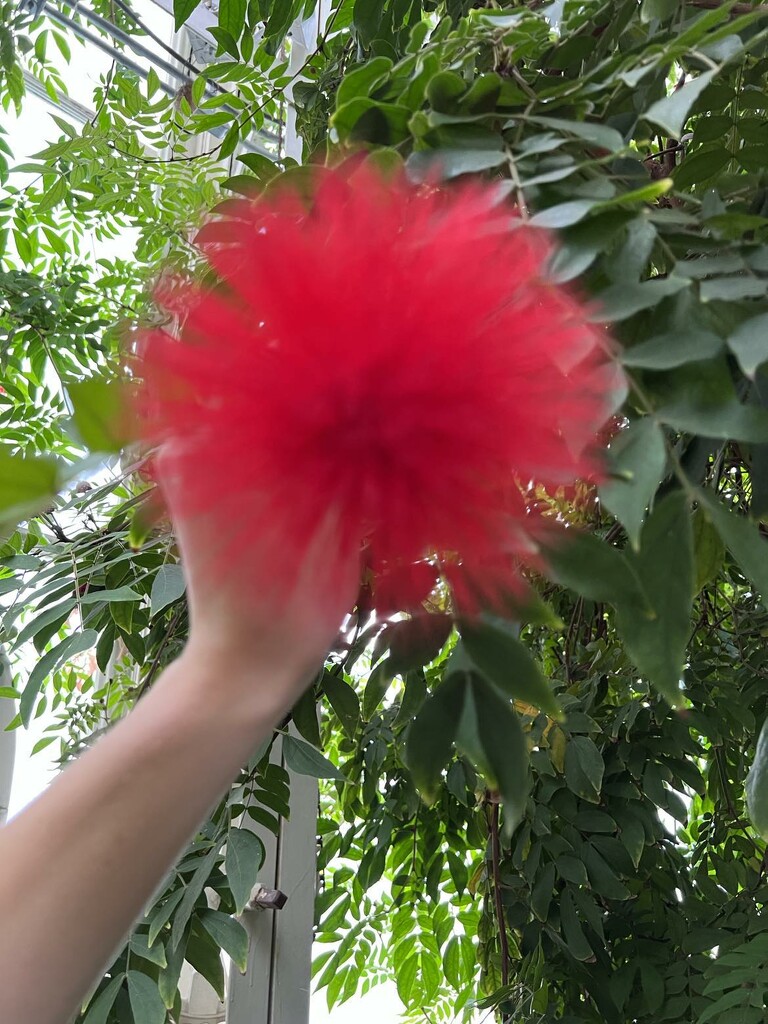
384, 359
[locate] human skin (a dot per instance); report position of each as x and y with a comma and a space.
79, 864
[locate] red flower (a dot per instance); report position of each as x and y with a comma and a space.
386, 359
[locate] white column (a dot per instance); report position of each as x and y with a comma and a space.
7, 740
275, 988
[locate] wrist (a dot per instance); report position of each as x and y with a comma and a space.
234, 685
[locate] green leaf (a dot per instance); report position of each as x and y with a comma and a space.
490, 734
365, 120
242, 863
600, 135
98, 1010
749, 343
192, 893
140, 945
98, 414
670, 113
430, 737
362, 80
564, 214
743, 540
708, 549
638, 458
508, 665
584, 768
573, 934
601, 877
228, 934
344, 701
181, 11
26, 485
146, 1004
541, 894
304, 759
55, 613
161, 915
426, 164
168, 586
593, 568
413, 643
168, 979
204, 956
620, 301
657, 641
232, 16
47, 665
304, 717
658, 9
666, 351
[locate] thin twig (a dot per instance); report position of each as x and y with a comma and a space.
153, 668
498, 904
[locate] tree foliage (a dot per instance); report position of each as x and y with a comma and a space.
543, 818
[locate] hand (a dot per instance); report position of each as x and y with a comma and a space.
255, 625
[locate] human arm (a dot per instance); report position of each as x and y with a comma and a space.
80, 863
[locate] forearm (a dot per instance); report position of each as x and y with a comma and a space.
80, 863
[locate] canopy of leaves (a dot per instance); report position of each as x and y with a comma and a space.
552, 809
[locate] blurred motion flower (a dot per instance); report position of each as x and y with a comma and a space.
386, 362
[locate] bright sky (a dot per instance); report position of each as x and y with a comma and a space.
27, 135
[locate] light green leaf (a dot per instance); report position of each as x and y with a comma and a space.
47, 665
26, 485
98, 414
638, 458
584, 768
242, 863
168, 586
304, 759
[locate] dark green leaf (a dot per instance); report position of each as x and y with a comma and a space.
664, 563
227, 933
304, 759
242, 863
743, 540
749, 343
638, 458
99, 1009
491, 735
429, 740
146, 1004
343, 700
508, 665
